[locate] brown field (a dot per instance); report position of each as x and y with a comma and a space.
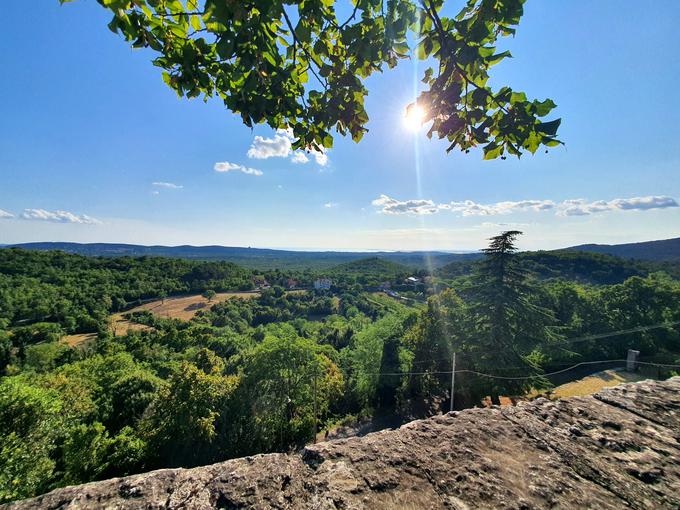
119, 326
595, 382
185, 307
76, 340
182, 307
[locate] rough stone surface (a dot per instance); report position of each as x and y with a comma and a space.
618, 448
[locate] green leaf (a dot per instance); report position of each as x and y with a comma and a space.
543, 108
549, 128
518, 97
498, 57
492, 150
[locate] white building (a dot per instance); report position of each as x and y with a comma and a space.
322, 284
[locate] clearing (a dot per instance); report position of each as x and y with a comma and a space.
179, 307
595, 382
185, 307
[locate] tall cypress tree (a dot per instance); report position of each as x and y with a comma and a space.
509, 323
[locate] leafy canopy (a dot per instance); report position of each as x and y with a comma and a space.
302, 65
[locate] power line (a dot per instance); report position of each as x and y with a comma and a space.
493, 376
538, 376
657, 364
596, 336
617, 333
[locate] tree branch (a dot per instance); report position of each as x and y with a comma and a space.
432, 12
304, 50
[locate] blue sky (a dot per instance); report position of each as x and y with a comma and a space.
87, 127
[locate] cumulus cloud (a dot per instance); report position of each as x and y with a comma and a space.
470, 208
389, 205
5, 214
321, 158
225, 166
167, 185
329, 205
582, 207
58, 217
299, 157
575, 207
643, 203
281, 146
277, 147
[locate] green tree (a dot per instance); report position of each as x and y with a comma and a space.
30, 423
280, 378
209, 294
5, 350
303, 65
90, 453
442, 327
181, 426
376, 350
509, 326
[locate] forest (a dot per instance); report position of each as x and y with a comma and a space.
266, 374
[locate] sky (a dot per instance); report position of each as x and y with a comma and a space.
94, 147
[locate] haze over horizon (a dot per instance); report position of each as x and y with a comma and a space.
107, 153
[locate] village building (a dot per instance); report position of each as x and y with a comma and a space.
260, 282
322, 284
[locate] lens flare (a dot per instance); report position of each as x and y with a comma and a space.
414, 117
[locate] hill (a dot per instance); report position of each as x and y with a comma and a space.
611, 450
253, 258
582, 267
373, 266
666, 249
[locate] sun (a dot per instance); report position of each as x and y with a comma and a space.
414, 117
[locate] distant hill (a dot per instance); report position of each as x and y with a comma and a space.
666, 249
594, 268
260, 258
372, 266
255, 258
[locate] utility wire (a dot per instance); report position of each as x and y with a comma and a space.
492, 376
617, 333
596, 336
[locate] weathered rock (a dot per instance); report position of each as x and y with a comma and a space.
618, 448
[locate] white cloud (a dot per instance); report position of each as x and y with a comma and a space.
390, 205
581, 207
168, 185
58, 217
321, 157
329, 205
5, 214
299, 157
644, 203
575, 207
225, 166
281, 146
470, 208
277, 147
